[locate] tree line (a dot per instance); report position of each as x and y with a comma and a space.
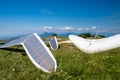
86, 35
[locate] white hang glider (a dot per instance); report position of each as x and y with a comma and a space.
37, 51
95, 45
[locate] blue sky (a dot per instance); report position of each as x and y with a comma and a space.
26, 16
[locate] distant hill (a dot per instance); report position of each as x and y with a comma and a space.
45, 34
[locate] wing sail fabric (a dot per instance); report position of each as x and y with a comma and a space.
37, 51
13, 42
96, 45
53, 43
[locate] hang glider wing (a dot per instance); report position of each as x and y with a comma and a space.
95, 45
37, 51
53, 43
12, 42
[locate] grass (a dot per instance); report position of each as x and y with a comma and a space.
72, 64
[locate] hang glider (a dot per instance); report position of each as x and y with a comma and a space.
36, 50
53, 43
95, 45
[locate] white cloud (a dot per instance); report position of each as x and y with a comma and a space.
86, 29
118, 20
117, 14
67, 28
44, 11
79, 29
47, 27
93, 28
110, 30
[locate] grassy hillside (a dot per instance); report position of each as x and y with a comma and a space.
72, 65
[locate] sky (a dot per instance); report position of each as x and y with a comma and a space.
27, 16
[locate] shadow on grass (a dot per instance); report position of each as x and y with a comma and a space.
14, 50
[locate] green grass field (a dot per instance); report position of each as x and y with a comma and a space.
72, 64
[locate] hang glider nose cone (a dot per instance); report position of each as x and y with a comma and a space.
71, 36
